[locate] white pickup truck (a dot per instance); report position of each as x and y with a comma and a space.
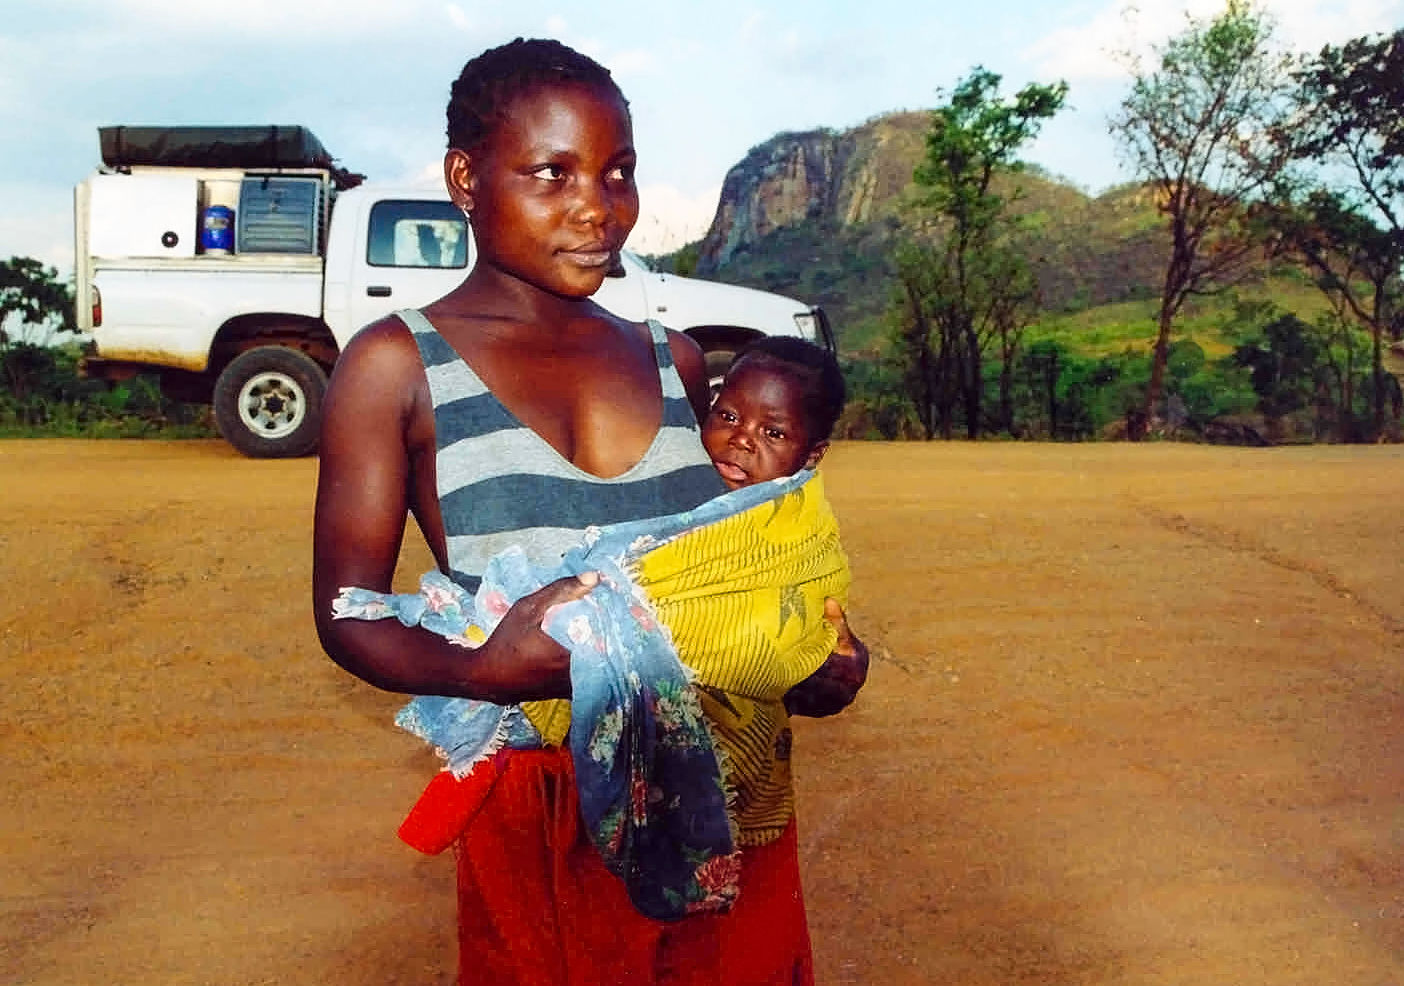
236, 262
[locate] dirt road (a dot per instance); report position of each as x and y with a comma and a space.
1136, 717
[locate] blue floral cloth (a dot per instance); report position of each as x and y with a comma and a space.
651, 786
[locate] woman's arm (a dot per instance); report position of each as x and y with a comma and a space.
376, 415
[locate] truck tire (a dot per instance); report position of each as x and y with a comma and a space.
268, 402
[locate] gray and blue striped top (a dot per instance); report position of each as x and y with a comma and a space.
500, 483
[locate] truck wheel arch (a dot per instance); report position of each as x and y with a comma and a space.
244, 332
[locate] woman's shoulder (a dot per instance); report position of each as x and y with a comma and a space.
379, 373
386, 345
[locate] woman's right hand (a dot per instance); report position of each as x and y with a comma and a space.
519, 662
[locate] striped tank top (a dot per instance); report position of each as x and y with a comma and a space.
500, 483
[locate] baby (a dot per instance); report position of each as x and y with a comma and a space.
775, 411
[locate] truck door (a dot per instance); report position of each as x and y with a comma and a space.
413, 251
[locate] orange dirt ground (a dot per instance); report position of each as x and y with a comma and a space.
1135, 716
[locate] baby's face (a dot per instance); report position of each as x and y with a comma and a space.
757, 429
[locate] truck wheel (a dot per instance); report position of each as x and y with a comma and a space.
718, 362
268, 402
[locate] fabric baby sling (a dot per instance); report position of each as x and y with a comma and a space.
726, 598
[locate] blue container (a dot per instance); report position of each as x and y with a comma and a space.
217, 231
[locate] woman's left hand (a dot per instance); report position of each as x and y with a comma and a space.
834, 686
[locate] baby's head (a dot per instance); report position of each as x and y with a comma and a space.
775, 411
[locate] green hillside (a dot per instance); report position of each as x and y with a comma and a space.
1099, 262
1214, 323
1087, 252
1261, 361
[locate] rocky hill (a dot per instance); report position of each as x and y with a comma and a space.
816, 215
836, 179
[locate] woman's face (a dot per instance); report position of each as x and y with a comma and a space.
552, 191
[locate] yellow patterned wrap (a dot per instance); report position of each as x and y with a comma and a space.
743, 599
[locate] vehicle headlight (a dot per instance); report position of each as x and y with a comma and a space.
808, 326
814, 326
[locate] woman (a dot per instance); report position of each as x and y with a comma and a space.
516, 410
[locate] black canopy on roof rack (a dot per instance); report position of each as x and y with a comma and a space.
265, 146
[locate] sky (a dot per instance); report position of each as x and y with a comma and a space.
706, 81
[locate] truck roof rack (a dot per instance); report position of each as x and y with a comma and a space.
263, 146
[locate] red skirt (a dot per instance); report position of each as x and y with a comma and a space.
536, 906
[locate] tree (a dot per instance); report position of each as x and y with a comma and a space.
924, 355
32, 295
1348, 227
1200, 128
1282, 365
34, 303
962, 281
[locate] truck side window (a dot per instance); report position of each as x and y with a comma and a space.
417, 233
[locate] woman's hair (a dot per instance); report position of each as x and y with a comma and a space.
816, 370
489, 82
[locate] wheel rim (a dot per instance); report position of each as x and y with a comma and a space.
272, 405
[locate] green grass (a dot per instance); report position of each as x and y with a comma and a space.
1212, 321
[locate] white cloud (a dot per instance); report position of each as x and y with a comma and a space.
632, 63
1306, 25
750, 26
783, 57
43, 229
1094, 50
17, 65
262, 17
1089, 51
670, 217
458, 18
586, 46
557, 26
432, 174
